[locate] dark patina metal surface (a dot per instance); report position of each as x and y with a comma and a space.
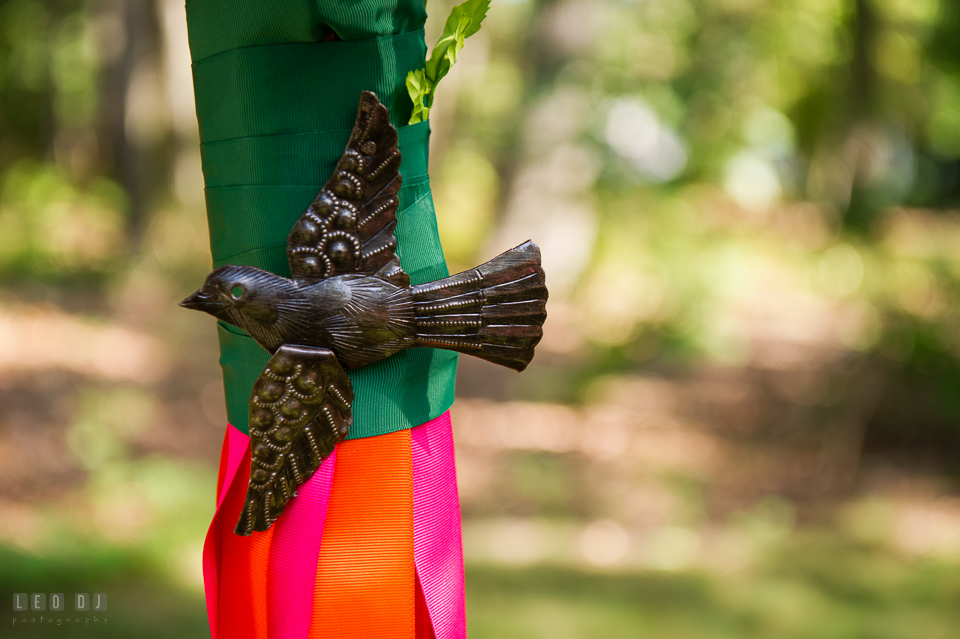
348, 303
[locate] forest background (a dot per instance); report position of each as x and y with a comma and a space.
744, 417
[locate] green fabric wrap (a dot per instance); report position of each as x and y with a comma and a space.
275, 106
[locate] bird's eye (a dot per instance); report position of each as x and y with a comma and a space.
236, 292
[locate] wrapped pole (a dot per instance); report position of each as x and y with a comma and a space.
371, 544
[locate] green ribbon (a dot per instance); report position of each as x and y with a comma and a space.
275, 108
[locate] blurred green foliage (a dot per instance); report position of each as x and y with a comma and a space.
80, 171
141, 601
766, 189
707, 156
703, 140
814, 588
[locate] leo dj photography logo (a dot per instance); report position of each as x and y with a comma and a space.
39, 608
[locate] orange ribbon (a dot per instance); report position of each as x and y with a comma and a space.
365, 576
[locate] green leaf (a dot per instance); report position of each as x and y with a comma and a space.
463, 22
419, 90
473, 10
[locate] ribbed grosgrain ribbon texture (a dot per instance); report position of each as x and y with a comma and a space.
275, 104
235, 445
370, 546
437, 536
293, 557
365, 576
241, 602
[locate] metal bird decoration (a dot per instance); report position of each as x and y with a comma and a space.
348, 303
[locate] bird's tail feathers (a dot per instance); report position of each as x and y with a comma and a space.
494, 311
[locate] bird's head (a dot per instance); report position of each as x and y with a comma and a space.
241, 295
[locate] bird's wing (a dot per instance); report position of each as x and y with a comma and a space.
299, 410
348, 228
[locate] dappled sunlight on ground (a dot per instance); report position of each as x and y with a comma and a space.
694, 486
36, 338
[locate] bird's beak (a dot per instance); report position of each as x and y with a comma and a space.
201, 301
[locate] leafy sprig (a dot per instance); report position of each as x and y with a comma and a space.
463, 22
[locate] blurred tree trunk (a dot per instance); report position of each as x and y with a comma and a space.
862, 80
861, 130
538, 65
132, 41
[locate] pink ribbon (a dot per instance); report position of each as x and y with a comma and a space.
437, 537
234, 448
295, 548
294, 554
